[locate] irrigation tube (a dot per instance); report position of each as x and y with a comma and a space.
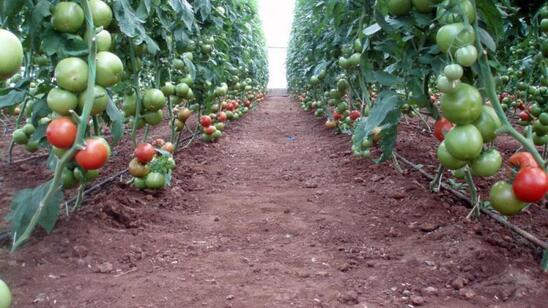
498, 218
5, 234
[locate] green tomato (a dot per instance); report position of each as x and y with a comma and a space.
154, 117
19, 136
11, 54
217, 134
72, 74
99, 103
67, 17
463, 106
459, 173
536, 110
488, 123
540, 129
182, 90
451, 11
101, 13
543, 118
61, 101
487, 164
447, 86
453, 72
155, 180
154, 100
109, 69
539, 140
5, 295
464, 142
355, 59
130, 104
454, 36
544, 25
503, 199
447, 160
399, 7
467, 56
139, 183
68, 179
103, 40
29, 129
168, 89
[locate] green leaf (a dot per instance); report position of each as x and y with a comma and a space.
63, 44
14, 97
25, 206
117, 119
487, 40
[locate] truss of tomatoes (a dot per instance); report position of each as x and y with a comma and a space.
151, 166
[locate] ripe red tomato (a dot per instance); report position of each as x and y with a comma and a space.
205, 121
354, 115
523, 160
530, 184
222, 117
524, 116
93, 156
521, 106
61, 132
144, 153
441, 128
337, 116
210, 130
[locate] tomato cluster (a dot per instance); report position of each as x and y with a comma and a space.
151, 167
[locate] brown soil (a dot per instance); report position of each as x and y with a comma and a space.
279, 214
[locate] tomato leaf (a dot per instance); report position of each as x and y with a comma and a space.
26, 205
63, 44
117, 119
14, 97
487, 40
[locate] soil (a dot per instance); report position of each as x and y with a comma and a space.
279, 213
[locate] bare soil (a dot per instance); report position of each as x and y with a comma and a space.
278, 213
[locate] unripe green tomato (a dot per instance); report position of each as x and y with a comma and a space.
467, 56
68, 179
109, 69
453, 72
154, 117
464, 142
168, 89
99, 103
154, 100
72, 74
11, 54
487, 164
29, 129
101, 13
61, 101
447, 160
139, 183
67, 17
19, 136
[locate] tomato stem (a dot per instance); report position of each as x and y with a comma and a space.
55, 183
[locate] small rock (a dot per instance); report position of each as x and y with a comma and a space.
406, 293
105, 268
80, 251
428, 227
344, 268
310, 185
429, 291
349, 298
323, 274
417, 300
370, 264
467, 292
430, 263
230, 297
458, 283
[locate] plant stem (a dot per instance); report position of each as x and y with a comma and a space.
55, 183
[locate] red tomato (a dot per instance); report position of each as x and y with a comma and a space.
205, 121
521, 106
337, 116
93, 156
354, 115
144, 153
524, 116
222, 117
61, 132
210, 130
530, 184
441, 128
523, 160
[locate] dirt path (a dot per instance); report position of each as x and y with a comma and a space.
277, 214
